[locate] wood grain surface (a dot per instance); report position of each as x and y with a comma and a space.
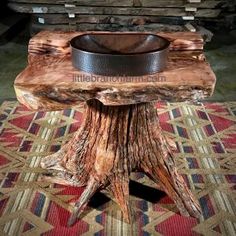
50, 82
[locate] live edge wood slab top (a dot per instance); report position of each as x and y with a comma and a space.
50, 82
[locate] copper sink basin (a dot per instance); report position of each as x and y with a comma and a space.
119, 54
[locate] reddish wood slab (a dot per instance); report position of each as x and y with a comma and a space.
50, 82
57, 42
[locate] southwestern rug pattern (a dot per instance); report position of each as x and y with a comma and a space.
206, 138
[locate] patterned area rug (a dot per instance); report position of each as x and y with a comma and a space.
206, 139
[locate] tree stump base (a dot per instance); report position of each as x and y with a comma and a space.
112, 142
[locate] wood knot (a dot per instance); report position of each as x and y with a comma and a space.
104, 161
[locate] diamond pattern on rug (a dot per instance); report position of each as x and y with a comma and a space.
205, 135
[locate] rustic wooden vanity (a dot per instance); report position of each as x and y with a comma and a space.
120, 132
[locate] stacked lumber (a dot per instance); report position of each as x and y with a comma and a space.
111, 15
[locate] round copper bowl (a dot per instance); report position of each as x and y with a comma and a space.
119, 54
